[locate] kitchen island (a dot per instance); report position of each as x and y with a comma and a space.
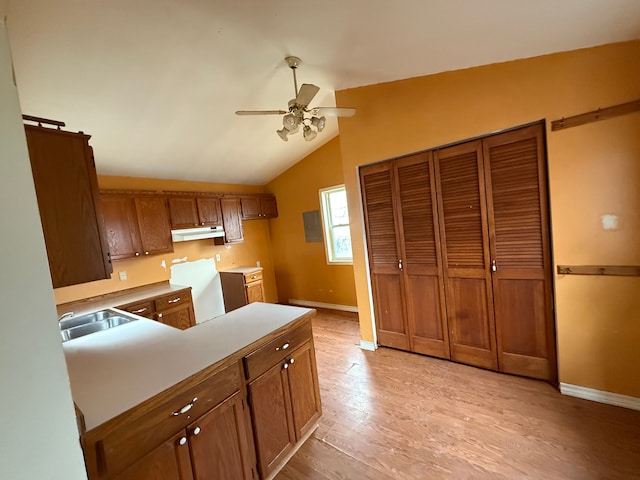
233, 397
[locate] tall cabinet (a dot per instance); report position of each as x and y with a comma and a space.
459, 253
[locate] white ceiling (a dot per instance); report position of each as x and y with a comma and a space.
157, 82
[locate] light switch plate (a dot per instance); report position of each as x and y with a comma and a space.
122, 275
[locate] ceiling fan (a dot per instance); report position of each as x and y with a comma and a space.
295, 117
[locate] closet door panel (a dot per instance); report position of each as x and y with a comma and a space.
389, 310
420, 249
518, 221
384, 255
465, 253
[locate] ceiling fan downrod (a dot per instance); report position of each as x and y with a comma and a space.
293, 63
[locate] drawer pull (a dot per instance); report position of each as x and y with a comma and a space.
177, 299
186, 408
140, 310
253, 276
283, 347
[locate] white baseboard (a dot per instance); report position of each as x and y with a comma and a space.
600, 396
364, 345
330, 306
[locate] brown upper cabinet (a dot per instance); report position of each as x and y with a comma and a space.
258, 206
459, 253
195, 211
136, 225
66, 186
232, 219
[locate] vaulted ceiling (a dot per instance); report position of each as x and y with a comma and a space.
156, 82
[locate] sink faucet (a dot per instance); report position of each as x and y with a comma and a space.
65, 315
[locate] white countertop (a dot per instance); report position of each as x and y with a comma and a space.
243, 270
113, 370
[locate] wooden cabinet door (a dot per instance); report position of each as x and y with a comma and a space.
121, 225
154, 224
268, 206
385, 259
231, 219
219, 443
169, 461
271, 415
183, 212
518, 221
254, 292
66, 187
250, 207
209, 212
464, 236
420, 245
181, 317
305, 394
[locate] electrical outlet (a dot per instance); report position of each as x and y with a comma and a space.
258, 263
217, 257
122, 275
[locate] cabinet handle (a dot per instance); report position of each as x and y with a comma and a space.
283, 347
196, 431
159, 315
140, 310
291, 361
494, 267
202, 223
177, 299
185, 409
146, 253
253, 276
400, 264
182, 441
137, 254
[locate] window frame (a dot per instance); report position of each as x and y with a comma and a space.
327, 226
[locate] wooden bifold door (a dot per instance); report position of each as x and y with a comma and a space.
459, 253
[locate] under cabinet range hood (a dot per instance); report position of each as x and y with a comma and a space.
199, 233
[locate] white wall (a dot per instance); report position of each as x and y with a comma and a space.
38, 435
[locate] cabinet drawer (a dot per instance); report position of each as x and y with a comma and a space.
173, 300
275, 351
144, 309
253, 276
131, 441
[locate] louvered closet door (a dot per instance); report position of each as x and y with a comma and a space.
384, 256
420, 247
464, 233
518, 221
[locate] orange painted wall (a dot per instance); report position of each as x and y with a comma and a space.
593, 170
143, 271
302, 272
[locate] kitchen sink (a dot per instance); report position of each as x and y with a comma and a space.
77, 327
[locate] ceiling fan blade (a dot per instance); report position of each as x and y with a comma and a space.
335, 111
306, 94
260, 112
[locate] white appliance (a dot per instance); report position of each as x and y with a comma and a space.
198, 233
206, 289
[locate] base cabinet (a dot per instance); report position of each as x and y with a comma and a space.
169, 461
238, 423
175, 309
285, 399
241, 286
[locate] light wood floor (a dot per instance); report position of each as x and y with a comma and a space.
394, 415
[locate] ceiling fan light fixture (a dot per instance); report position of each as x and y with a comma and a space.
319, 122
308, 133
282, 133
289, 121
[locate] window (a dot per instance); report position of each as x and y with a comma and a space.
335, 220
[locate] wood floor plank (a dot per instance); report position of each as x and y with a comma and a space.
391, 414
